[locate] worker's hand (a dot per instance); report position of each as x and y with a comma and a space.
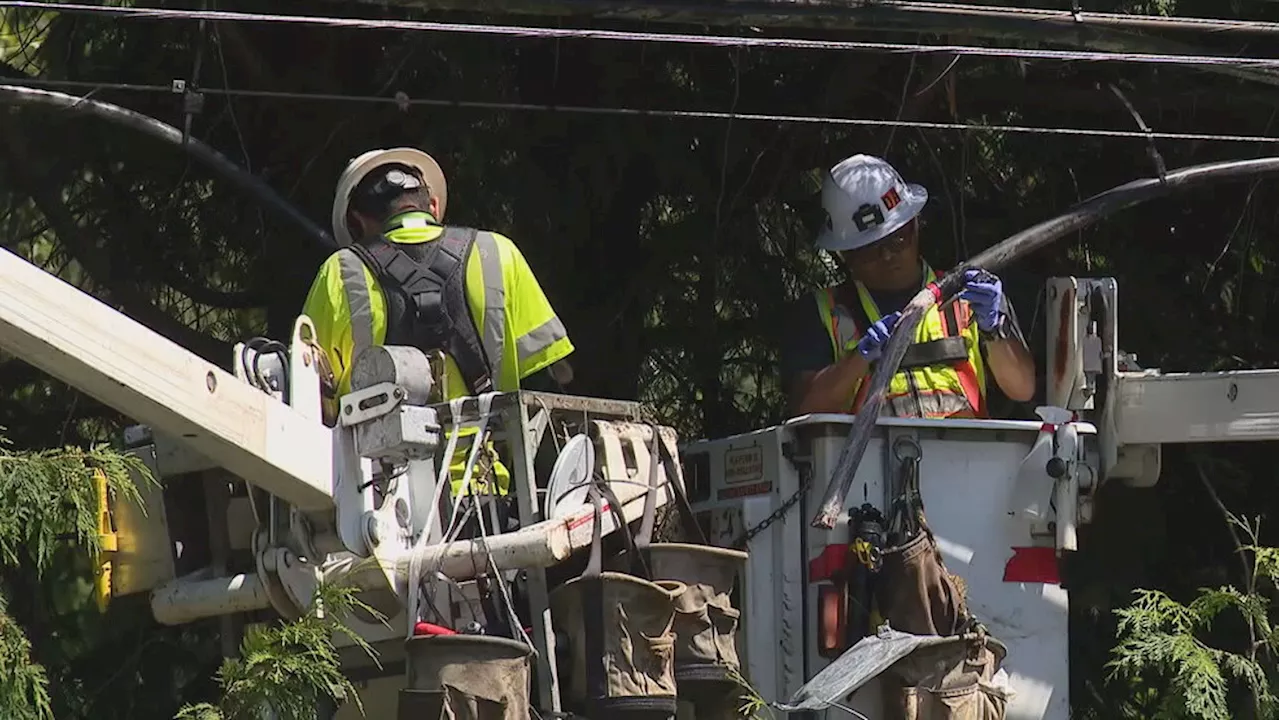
872, 343
985, 296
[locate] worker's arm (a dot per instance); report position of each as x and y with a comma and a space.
1008, 358
829, 389
555, 378
815, 380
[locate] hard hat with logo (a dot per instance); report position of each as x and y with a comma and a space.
866, 200
360, 167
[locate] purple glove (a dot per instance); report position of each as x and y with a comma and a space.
985, 296
872, 343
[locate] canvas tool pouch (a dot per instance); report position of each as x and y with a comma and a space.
619, 630
950, 681
465, 677
706, 621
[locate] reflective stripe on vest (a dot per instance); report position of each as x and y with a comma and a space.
956, 390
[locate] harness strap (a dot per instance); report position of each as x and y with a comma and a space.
435, 291
658, 454
593, 607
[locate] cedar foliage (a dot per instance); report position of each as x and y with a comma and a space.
47, 500
1161, 643
285, 670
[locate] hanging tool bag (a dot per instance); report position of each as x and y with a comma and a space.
465, 677
706, 621
619, 628
949, 681
916, 594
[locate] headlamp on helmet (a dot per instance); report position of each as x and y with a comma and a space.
383, 184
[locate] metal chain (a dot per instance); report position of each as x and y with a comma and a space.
806, 480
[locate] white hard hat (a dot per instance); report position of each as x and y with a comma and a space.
356, 170
866, 200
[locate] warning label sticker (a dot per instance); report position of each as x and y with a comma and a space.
743, 465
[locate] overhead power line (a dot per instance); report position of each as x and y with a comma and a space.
404, 102
633, 36
1152, 22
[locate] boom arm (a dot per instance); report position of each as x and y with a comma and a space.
83, 342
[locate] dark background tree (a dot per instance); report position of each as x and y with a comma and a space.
667, 244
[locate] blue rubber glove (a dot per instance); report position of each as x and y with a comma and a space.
985, 296
872, 343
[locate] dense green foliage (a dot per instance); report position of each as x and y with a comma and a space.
1161, 637
48, 517
667, 245
287, 669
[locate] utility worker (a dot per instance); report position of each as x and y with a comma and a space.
837, 334
402, 277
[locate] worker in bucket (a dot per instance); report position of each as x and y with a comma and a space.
403, 277
838, 333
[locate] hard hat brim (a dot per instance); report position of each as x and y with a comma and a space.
914, 199
361, 166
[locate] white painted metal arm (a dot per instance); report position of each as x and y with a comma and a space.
105, 354
1157, 409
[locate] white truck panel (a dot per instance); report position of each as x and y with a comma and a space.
967, 475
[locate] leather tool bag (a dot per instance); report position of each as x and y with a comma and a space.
619, 630
914, 592
465, 677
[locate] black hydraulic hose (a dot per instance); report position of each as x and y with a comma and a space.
992, 259
16, 95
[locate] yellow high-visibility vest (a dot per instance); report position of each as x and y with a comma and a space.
521, 332
954, 389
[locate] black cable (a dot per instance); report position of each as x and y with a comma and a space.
253, 373
18, 95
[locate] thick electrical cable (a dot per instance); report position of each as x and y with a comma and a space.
994, 258
638, 36
253, 185
405, 102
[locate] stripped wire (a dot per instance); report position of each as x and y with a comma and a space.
635, 36
403, 101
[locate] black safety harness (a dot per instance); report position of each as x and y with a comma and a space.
426, 296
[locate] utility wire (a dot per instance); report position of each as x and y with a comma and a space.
632, 36
404, 102
1151, 22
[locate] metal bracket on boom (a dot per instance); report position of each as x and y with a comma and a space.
1136, 410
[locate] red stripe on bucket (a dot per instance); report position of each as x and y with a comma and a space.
426, 628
